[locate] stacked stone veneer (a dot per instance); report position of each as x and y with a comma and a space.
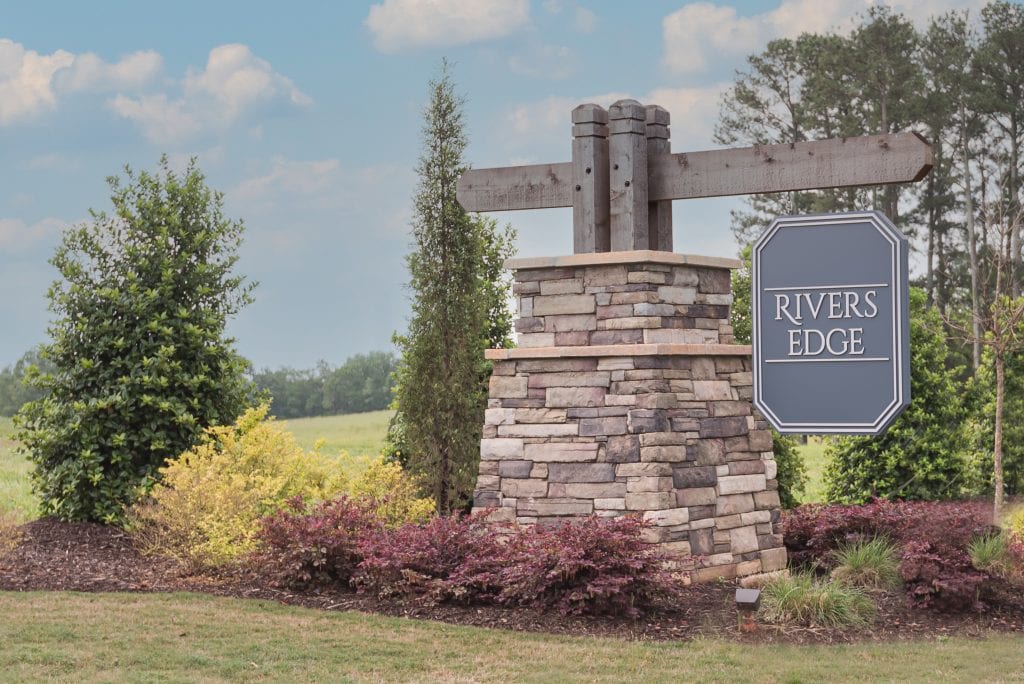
627, 396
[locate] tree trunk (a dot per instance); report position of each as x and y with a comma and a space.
1013, 205
997, 449
972, 244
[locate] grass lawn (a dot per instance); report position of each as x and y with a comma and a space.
814, 459
187, 637
15, 495
358, 434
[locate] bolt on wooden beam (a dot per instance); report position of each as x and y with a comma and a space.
627, 149
590, 198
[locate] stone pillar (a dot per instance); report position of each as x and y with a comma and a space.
627, 395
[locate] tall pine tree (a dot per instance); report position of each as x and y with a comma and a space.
440, 394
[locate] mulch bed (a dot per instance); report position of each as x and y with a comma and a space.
58, 556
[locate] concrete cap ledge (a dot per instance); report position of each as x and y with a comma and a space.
633, 257
619, 350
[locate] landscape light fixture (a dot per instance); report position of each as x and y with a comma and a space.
747, 603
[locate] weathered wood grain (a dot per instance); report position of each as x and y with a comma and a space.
659, 214
538, 186
835, 163
627, 154
590, 206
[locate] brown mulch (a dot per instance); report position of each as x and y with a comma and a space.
58, 556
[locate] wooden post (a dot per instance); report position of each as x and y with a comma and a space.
659, 214
627, 149
590, 200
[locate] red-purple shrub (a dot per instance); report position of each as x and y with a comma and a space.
302, 546
595, 565
933, 538
449, 558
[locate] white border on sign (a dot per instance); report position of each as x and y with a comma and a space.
897, 324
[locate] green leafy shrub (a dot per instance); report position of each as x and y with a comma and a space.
801, 598
922, 454
871, 564
141, 364
792, 473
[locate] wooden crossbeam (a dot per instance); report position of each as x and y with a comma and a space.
834, 163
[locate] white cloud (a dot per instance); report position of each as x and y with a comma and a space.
234, 82
32, 83
700, 28
699, 33
89, 73
26, 80
584, 20
400, 25
15, 234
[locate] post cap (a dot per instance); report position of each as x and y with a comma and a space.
627, 109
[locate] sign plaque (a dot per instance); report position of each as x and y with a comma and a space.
831, 324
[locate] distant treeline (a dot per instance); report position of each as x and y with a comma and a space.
13, 392
362, 383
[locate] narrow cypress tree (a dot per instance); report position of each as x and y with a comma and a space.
440, 394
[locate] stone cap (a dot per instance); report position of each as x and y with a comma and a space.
619, 350
639, 256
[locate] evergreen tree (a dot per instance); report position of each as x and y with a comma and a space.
441, 391
141, 363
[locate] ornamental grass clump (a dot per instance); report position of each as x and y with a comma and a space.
991, 554
802, 599
872, 564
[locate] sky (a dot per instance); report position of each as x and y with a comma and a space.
307, 116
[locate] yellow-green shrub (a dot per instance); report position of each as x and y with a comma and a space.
1014, 523
395, 494
206, 508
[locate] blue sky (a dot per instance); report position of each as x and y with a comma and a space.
307, 116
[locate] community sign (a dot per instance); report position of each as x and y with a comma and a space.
830, 323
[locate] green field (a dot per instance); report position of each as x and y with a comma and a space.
814, 459
188, 637
358, 434
15, 494
353, 439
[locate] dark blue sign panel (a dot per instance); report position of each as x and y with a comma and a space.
830, 323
